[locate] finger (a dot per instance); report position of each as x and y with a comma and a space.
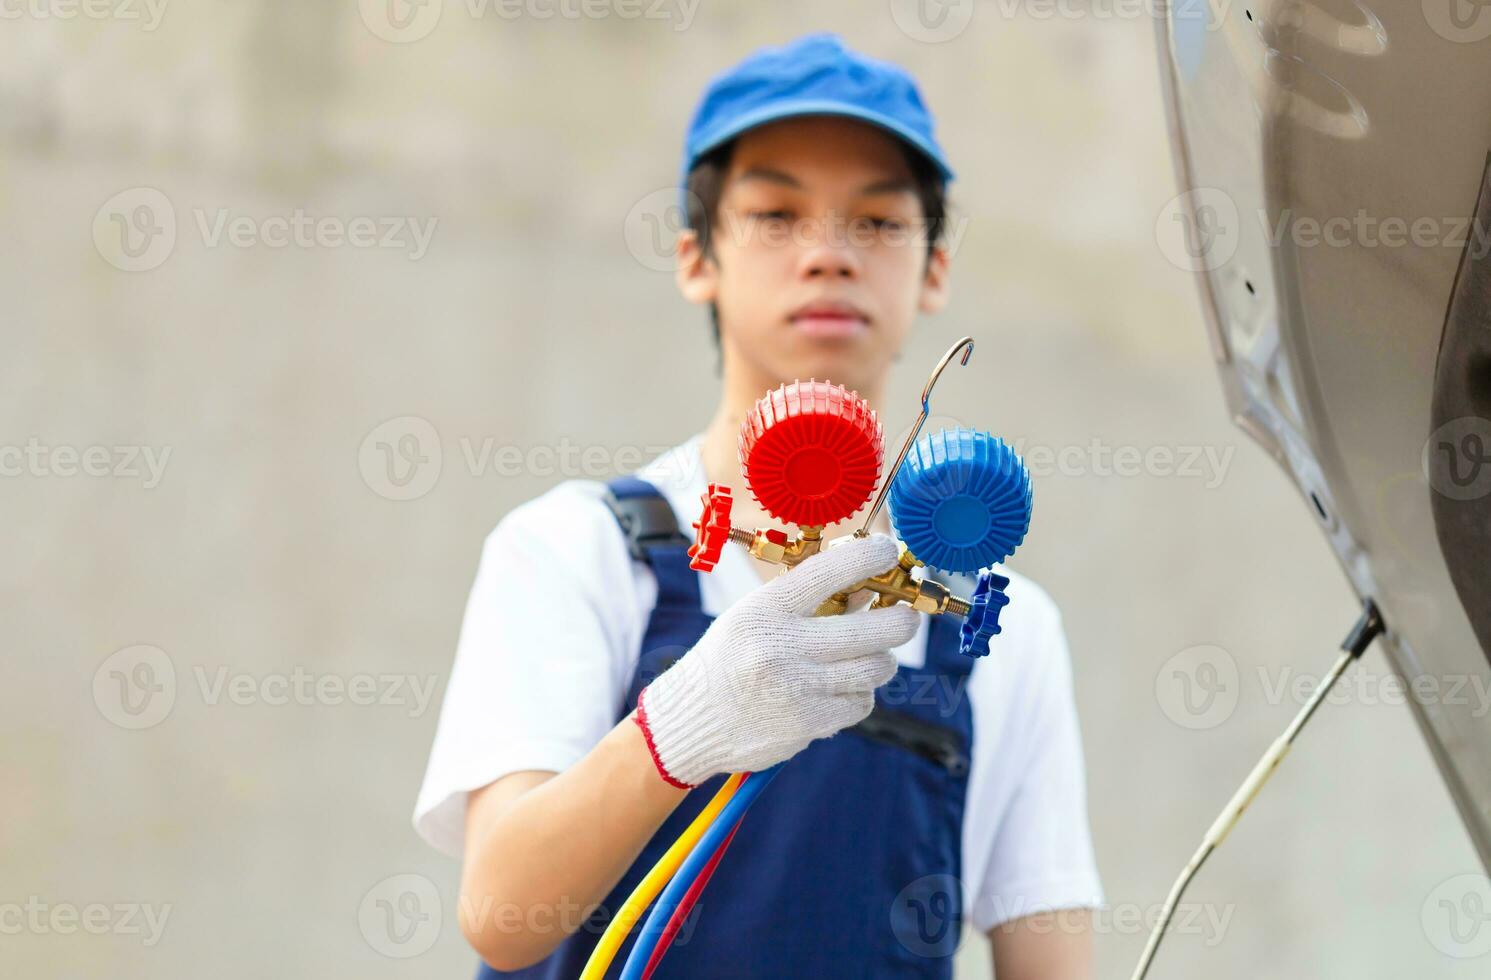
840, 711
829, 638
851, 708
862, 674
834, 569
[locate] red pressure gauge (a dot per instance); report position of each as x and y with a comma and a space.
811, 452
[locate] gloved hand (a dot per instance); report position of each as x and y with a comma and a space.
768, 677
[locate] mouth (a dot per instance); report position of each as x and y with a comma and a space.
829, 318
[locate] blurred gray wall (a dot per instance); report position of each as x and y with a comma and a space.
335, 426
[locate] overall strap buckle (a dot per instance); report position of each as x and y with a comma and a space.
645, 517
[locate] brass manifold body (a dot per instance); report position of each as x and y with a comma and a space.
890, 587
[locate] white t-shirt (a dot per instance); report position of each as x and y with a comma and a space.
537, 688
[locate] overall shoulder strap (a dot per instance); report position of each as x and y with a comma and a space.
653, 536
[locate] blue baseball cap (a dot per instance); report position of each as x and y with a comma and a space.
814, 75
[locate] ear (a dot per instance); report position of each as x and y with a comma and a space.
697, 276
935, 283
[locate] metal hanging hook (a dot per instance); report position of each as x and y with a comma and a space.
966, 346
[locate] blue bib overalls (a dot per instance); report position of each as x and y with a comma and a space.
848, 866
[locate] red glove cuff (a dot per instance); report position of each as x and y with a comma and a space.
640, 717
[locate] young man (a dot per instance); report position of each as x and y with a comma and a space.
583, 707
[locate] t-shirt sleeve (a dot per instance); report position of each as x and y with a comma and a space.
543, 660
1042, 857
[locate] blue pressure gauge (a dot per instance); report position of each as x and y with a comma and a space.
961, 500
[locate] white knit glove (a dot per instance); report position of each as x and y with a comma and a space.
768, 677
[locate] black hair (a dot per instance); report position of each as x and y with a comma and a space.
706, 185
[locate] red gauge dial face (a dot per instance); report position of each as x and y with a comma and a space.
811, 452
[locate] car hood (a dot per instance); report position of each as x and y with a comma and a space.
1332, 161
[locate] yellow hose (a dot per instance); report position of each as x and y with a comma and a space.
649, 887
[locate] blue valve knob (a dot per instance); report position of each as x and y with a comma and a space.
961, 500
982, 621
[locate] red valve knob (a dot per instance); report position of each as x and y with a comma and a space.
811, 452
712, 529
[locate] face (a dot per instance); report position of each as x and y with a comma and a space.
818, 254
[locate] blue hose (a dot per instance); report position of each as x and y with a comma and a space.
662, 910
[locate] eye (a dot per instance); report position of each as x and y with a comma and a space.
769, 214
874, 229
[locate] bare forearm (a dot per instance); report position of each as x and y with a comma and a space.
542, 850
766, 678
1044, 946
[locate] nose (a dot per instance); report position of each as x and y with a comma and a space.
827, 255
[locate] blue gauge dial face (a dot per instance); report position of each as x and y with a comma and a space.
961, 500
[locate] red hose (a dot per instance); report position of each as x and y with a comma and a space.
690, 899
